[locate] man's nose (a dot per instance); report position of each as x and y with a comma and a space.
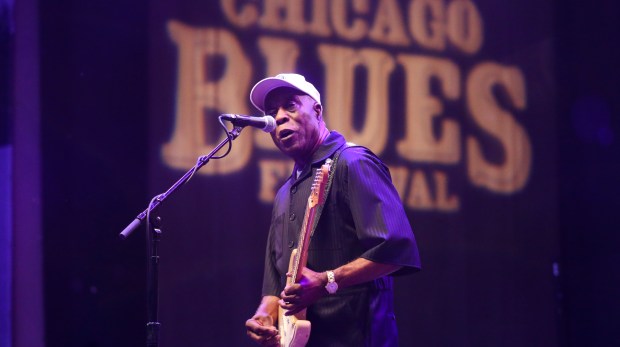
281, 116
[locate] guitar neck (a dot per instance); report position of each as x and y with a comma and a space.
316, 197
301, 257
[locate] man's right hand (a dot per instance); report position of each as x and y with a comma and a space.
260, 328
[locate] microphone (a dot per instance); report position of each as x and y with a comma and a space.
266, 123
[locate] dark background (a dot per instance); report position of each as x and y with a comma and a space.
587, 73
94, 90
93, 63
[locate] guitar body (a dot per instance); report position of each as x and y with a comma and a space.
295, 329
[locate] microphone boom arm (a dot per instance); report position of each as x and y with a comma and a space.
202, 161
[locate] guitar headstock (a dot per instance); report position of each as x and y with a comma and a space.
317, 192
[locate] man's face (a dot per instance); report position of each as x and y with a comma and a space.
299, 125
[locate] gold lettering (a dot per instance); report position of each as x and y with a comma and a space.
283, 15
272, 174
443, 201
319, 24
196, 94
420, 195
388, 26
358, 28
431, 23
429, 33
465, 26
340, 64
420, 143
244, 18
513, 174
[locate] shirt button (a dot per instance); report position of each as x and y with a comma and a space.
292, 217
291, 244
294, 190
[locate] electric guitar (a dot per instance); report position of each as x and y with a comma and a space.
295, 329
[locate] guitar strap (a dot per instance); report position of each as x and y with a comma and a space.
332, 171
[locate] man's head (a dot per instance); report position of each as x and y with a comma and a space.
296, 106
291, 80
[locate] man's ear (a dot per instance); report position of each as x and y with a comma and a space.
318, 109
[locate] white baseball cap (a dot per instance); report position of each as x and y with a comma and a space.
291, 80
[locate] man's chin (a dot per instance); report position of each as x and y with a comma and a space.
291, 151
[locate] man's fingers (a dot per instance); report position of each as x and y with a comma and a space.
258, 332
290, 307
291, 291
292, 311
290, 299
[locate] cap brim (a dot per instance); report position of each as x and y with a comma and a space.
264, 87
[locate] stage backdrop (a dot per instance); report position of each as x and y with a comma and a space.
455, 96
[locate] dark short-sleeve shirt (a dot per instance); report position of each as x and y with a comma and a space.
362, 217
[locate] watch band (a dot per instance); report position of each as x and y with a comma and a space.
331, 286
330, 277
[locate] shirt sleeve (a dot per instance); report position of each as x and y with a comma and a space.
380, 220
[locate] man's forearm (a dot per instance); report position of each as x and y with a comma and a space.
268, 306
361, 270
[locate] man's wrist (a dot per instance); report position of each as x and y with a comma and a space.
331, 286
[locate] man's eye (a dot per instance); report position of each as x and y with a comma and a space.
290, 107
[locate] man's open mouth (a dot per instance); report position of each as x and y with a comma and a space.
285, 133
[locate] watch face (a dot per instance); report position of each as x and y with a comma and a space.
331, 287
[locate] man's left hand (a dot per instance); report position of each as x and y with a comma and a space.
298, 296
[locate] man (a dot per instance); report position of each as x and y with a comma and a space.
363, 235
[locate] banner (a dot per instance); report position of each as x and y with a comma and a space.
455, 96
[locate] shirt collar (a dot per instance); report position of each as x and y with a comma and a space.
329, 146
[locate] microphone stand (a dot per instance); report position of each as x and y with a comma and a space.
153, 237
